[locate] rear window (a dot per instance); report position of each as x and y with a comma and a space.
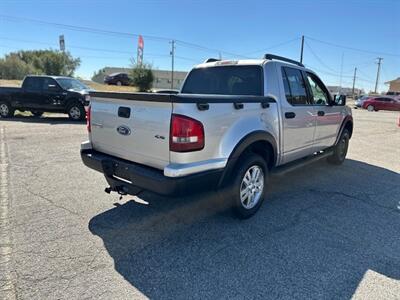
225, 80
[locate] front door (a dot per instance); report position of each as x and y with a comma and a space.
298, 116
328, 117
53, 95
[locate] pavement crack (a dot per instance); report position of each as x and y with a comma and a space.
364, 199
52, 202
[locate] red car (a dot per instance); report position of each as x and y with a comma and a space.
381, 103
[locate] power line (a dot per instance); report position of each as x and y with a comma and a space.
352, 48
114, 33
273, 46
320, 60
81, 28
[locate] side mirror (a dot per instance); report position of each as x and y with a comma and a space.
339, 100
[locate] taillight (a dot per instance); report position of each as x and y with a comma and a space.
186, 134
88, 113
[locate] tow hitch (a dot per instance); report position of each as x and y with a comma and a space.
122, 191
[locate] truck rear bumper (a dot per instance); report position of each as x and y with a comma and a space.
129, 177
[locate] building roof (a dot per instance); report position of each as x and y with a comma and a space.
393, 81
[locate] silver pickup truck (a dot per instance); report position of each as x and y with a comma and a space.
232, 124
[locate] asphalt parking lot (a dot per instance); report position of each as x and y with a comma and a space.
324, 232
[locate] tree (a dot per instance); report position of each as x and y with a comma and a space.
13, 67
142, 77
49, 62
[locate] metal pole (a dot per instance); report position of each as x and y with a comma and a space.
172, 63
341, 74
302, 48
377, 74
354, 81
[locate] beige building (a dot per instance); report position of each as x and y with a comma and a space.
162, 78
394, 85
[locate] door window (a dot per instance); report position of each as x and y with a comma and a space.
34, 84
319, 94
47, 82
294, 85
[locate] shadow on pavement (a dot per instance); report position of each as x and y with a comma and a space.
52, 120
320, 230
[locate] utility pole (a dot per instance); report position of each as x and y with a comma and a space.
341, 74
354, 80
302, 48
172, 63
377, 73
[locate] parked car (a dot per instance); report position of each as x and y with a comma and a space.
381, 103
40, 94
391, 93
358, 103
117, 79
232, 124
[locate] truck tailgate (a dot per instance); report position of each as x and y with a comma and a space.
137, 131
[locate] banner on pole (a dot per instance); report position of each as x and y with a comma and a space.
140, 51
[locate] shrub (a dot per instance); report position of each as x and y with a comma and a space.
142, 77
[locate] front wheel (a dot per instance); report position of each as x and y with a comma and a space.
76, 112
370, 108
340, 150
6, 111
247, 192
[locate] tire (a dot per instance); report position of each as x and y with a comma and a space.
340, 150
6, 111
36, 113
370, 108
119, 83
246, 204
76, 112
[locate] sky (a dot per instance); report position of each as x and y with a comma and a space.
339, 35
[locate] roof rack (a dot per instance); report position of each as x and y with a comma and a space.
211, 60
281, 58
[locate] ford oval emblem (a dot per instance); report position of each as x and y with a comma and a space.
124, 130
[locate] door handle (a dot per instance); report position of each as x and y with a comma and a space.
321, 113
290, 115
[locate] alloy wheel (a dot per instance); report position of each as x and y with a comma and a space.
251, 187
4, 110
75, 113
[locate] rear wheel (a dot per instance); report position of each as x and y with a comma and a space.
6, 111
370, 108
119, 83
76, 112
340, 150
36, 113
247, 192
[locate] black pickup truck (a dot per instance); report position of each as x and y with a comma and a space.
40, 94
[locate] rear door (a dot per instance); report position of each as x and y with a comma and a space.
298, 116
137, 131
328, 117
30, 96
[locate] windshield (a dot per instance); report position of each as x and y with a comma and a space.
71, 84
225, 80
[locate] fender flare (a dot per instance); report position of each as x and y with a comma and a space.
70, 101
347, 120
242, 145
